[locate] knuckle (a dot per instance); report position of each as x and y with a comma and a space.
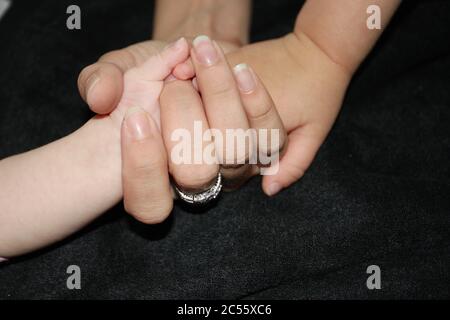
217, 88
160, 58
199, 177
137, 79
260, 110
273, 145
132, 74
237, 159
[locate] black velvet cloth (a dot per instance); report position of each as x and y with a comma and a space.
377, 193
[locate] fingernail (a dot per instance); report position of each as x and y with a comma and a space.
245, 78
90, 84
177, 45
3, 259
138, 124
273, 189
205, 51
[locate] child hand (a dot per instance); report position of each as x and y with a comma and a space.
308, 89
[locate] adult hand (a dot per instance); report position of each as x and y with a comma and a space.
306, 85
229, 101
146, 187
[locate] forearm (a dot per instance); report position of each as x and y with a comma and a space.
53, 191
227, 20
339, 28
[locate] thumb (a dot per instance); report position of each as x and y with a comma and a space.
304, 142
146, 186
101, 86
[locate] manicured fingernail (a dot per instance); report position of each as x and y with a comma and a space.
138, 123
273, 189
245, 78
91, 83
177, 45
205, 51
3, 259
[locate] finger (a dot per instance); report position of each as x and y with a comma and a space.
183, 125
184, 70
222, 103
146, 186
101, 86
143, 83
161, 65
304, 143
262, 116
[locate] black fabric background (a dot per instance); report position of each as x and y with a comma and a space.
378, 192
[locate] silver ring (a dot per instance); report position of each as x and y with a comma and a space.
201, 197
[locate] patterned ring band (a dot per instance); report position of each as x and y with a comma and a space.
201, 197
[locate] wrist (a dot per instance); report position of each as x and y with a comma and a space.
101, 139
303, 48
340, 29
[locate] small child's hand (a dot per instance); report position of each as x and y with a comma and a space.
307, 88
131, 77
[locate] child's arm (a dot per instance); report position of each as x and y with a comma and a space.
50, 192
53, 191
307, 73
340, 28
224, 20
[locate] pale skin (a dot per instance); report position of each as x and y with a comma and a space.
68, 183
306, 71
50, 192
